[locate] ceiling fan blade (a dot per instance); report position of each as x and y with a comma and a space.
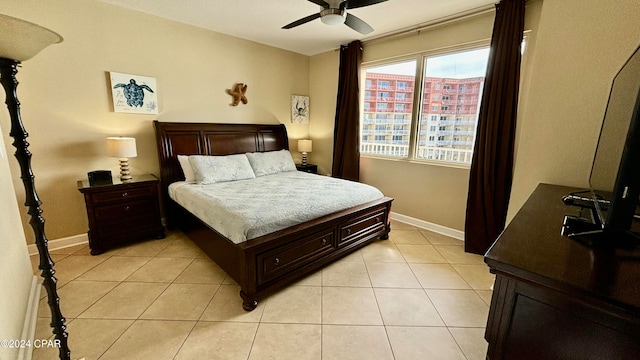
322, 3
352, 4
301, 21
357, 24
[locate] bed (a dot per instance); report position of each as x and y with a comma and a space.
266, 262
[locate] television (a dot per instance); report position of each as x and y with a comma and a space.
614, 182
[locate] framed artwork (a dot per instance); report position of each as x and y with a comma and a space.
134, 93
299, 109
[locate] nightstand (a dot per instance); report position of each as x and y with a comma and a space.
310, 168
122, 212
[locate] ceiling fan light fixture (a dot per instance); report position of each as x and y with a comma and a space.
332, 16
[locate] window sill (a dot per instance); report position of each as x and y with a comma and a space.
419, 161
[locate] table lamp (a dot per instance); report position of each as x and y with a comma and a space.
20, 41
304, 146
122, 148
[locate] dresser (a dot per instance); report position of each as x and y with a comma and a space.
122, 212
555, 298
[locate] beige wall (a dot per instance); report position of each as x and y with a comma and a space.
66, 101
15, 268
323, 88
574, 48
435, 194
580, 47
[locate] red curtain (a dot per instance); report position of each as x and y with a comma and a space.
492, 165
346, 153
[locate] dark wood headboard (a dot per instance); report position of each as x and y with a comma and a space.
175, 138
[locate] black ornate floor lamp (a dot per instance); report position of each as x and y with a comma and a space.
21, 40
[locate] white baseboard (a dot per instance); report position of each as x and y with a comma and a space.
61, 243
30, 318
456, 234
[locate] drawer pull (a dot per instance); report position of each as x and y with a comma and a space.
377, 219
348, 231
126, 208
125, 194
276, 261
324, 241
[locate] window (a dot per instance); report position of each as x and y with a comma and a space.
451, 74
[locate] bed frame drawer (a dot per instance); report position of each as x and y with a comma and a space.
362, 226
289, 257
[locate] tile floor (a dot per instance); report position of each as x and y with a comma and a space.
414, 296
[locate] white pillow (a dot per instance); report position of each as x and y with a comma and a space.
213, 169
271, 162
187, 170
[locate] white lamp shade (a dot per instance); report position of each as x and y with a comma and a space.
23, 39
121, 147
305, 145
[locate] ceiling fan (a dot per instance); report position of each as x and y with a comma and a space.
334, 12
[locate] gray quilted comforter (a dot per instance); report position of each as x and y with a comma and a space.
246, 209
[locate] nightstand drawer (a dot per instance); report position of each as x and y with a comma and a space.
140, 222
121, 211
124, 194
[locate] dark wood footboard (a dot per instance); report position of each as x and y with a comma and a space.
268, 263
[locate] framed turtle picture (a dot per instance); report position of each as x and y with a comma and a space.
134, 93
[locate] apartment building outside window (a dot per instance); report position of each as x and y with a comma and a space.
438, 122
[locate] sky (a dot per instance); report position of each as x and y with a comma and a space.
461, 65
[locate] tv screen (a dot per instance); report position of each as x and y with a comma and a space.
615, 173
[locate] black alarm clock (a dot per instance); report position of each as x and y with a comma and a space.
100, 177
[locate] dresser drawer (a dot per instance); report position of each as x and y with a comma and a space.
121, 194
362, 226
291, 256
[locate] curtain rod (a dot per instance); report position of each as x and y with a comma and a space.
432, 24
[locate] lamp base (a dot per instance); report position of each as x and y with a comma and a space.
125, 173
304, 158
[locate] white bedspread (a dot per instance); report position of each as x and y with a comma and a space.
246, 209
